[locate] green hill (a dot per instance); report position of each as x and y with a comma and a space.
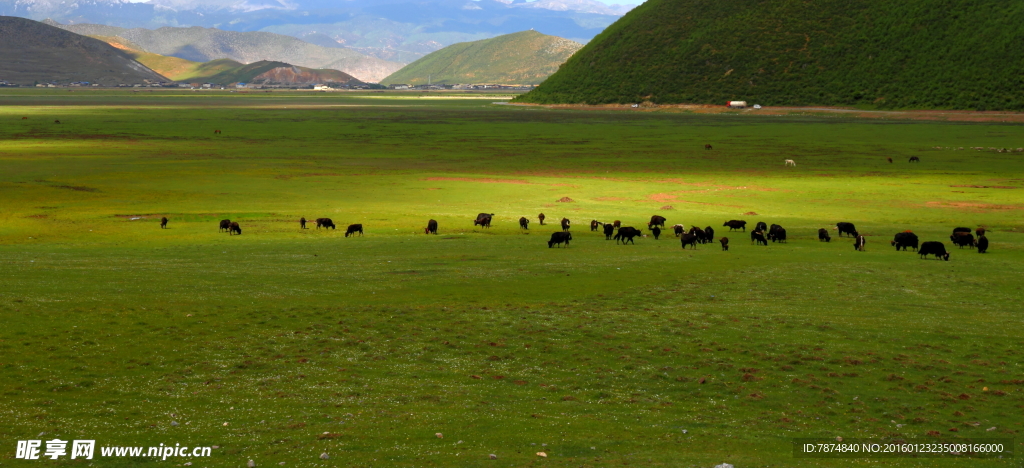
958, 54
526, 57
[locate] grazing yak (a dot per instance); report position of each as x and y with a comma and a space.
594, 224
709, 234
761, 226
617, 224
915, 159
961, 229
679, 229
701, 235
431, 227
353, 229
656, 221
859, 243
656, 231
938, 249
725, 243
758, 236
234, 228
890, 160
736, 224
225, 224
325, 223
163, 223
484, 219
560, 238
979, 232
962, 238
302, 223
846, 228
524, 223
626, 234
689, 239
777, 233
823, 235
982, 244
541, 218
904, 239
707, 147
608, 231
565, 224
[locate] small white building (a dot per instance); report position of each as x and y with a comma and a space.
322, 87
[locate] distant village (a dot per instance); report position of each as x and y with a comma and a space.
461, 86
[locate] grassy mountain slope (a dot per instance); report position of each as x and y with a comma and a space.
172, 67
205, 44
525, 57
204, 71
960, 54
31, 51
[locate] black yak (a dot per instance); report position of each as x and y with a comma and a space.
938, 249
559, 238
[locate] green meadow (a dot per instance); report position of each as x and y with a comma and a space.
282, 344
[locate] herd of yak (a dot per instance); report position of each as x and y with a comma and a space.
760, 235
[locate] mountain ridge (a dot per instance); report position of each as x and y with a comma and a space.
398, 30
33, 52
198, 44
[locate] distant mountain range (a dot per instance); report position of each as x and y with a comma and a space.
226, 71
398, 30
526, 57
35, 53
197, 44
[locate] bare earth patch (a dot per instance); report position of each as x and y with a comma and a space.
290, 176
664, 197
565, 200
77, 188
484, 180
971, 206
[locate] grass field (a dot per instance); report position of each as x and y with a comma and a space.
282, 344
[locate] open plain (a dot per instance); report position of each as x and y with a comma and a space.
281, 344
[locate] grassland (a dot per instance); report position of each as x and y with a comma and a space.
305, 342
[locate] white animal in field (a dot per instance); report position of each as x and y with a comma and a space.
790, 162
